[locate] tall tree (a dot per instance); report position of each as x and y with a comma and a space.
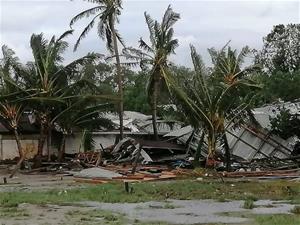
156, 54
281, 50
106, 14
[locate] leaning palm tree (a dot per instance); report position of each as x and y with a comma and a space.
10, 108
106, 15
214, 101
156, 54
47, 79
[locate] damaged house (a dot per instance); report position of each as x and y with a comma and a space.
177, 146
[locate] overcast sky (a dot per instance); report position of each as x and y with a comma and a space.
203, 23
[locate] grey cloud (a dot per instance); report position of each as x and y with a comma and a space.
204, 23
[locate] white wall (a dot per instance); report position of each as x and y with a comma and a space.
73, 142
9, 148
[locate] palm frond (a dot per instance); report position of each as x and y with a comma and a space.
85, 31
150, 23
85, 13
170, 18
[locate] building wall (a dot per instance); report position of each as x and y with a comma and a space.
9, 148
73, 142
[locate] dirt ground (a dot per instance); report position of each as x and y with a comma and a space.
167, 212
23, 182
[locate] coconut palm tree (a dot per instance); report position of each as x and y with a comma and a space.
48, 79
156, 54
106, 15
10, 108
214, 101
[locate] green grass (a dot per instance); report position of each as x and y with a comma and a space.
296, 210
8, 212
278, 219
95, 217
248, 204
181, 189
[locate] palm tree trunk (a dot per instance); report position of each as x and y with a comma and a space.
211, 145
62, 149
154, 110
19, 145
198, 151
21, 154
41, 143
227, 152
119, 78
49, 143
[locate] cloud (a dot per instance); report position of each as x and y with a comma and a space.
203, 23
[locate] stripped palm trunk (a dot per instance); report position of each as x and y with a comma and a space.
119, 78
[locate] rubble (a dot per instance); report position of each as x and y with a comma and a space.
254, 153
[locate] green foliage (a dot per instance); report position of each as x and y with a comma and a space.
281, 50
135, 96
215, 95
248, 204
279, 85
285, 124
106, 13
154, 57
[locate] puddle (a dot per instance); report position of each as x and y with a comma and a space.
192, 211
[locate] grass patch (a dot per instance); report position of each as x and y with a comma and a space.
278, 219
169, 206
248, 204
180, 189
13, 212
296, 210
96, 217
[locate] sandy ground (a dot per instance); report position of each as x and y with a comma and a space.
42, 215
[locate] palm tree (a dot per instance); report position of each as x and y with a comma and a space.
156, 54
214, 100
48, 79
106, 14
10, 108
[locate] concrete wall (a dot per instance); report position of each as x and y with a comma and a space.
73, 142
9, 149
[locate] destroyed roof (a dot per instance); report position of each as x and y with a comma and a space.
181, 132
263, 114
138, 122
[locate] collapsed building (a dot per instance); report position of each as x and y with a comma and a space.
178, 143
